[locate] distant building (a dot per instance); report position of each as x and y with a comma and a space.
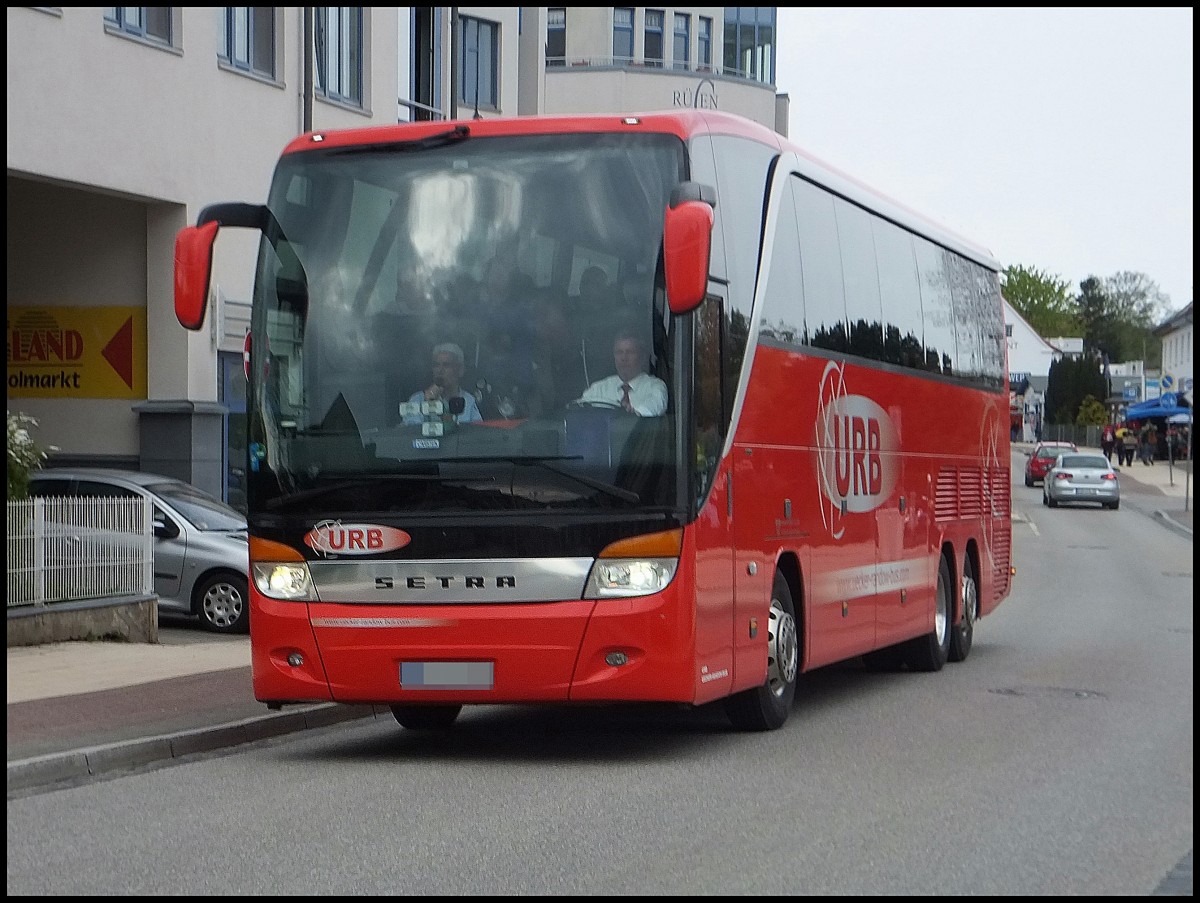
1029, 360
1177, 366
1071, 347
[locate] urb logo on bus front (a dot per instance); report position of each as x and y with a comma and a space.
856, 451
332, 537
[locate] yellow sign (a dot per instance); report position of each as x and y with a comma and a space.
76, 352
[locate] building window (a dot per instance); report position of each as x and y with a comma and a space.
1008, 329
556, 36
248, 38
478, 73
704, 43
338, 45
680, 52
623, 35
653, 41
750, 42
153, 23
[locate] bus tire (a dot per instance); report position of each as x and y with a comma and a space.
426, 717
929, 652
962, 633
766, 708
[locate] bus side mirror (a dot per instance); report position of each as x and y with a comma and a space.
687, 246
193, 270
193, 255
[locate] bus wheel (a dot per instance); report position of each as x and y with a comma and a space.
963, 632
426, 717
929, 652
766, 708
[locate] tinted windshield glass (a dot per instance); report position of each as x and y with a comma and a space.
202, 510
438, 319
1084, 461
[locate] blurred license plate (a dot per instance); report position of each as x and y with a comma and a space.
446, 675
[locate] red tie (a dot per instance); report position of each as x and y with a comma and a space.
625, 403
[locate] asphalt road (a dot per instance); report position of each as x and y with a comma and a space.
1057, 760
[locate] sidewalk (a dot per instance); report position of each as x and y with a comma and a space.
85, 708
79, 709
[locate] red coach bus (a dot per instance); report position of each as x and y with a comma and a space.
607, 409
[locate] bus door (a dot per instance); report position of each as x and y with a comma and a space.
714, 558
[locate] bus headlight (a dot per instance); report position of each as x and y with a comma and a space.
624, 577
286, 580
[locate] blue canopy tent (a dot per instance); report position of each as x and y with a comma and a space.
1152, 408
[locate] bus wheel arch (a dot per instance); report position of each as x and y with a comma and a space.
766, 707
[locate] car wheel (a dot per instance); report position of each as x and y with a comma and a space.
1051, 501
766, 708
222, 602
1045, 499
962, 633
1115, 505
1028, 480
426, 717
929, 652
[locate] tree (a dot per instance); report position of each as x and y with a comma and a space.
1043, 300
24, 454
1091, 412
1138, 305
1071, 381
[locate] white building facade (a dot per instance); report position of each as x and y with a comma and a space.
125, 122
1177, 360
1029, 360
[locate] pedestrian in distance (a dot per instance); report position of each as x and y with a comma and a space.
1129, 440
1108, 438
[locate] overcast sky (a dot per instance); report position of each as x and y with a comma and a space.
1059, 139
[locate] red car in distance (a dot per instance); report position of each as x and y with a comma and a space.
1041, 459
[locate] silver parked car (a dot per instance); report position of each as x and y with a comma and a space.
1081, 477
201, 554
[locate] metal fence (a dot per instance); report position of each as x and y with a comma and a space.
64, 549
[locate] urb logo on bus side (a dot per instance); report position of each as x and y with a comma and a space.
856, 443
331, 537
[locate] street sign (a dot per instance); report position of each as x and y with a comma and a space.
1167, 400
1130, 393
1187, 384
1168, 381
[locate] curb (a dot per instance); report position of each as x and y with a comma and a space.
1173, 524
56, 768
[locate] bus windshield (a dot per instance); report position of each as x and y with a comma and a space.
468, 324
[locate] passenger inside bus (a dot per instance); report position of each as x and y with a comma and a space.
448, 368
632, 388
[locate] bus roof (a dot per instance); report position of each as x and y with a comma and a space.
685, 124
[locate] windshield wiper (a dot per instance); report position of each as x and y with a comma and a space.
348, 481
355, 481
441, 139
544, 462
